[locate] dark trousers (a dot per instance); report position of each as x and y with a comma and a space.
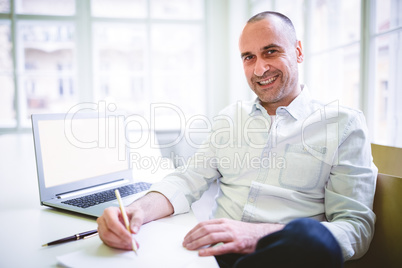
302, 243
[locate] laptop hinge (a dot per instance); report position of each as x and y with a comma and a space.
96, 188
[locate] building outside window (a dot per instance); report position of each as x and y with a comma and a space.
57, 54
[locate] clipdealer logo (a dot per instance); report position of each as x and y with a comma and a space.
112, 128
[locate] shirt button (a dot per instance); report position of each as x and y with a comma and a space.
251, 199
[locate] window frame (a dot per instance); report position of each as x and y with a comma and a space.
83, 21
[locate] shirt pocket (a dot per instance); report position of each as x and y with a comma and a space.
303, 167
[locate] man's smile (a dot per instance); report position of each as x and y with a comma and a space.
267, 81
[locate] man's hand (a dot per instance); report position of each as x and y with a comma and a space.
112, 230
237, 236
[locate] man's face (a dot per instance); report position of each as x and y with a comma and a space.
270, 62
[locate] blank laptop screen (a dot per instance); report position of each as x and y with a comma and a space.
79, 149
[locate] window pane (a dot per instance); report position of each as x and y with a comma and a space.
335, 76
7, 109
294, 10
46, 7
178, 75
47, 65
6, 63
4, 6
258, 6
388, 15
119, 8
388, 94
334, 23
177, 9
119, 65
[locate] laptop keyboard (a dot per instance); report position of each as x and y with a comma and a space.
108, 195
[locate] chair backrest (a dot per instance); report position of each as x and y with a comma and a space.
386, 248
387, 159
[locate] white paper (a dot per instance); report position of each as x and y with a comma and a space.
160, 246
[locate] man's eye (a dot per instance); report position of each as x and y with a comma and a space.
271, 51
247, 58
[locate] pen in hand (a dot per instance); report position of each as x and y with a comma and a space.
75, 237
125, 218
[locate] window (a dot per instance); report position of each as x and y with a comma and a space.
119, 56
46, 66
333, 51
7, 112
352, 54
45, 7
386, 40
56, 54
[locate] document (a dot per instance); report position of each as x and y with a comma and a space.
160, 246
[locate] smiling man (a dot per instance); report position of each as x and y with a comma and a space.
312, 210
270, 54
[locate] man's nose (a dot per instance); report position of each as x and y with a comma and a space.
260, 67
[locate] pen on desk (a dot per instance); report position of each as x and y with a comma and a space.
78, 236
125, 218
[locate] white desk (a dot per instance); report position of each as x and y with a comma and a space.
24, 224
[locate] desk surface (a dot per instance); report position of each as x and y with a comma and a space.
25, 224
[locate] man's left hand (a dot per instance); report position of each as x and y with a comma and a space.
236, 236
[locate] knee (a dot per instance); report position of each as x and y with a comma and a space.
310, 230
306, 239
305, 228
311, 233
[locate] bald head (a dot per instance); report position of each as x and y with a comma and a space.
285, 22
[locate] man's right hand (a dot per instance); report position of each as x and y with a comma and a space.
112, 230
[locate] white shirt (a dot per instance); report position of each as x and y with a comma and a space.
313, 161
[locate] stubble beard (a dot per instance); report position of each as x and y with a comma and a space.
281, 89
271, 94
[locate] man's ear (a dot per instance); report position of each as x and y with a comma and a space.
299, 52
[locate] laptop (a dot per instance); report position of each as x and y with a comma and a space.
81, 159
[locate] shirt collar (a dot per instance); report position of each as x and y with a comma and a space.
257, 108
297, 108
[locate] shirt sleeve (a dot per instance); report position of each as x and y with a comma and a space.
349, 193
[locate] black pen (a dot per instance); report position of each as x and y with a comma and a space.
79, 236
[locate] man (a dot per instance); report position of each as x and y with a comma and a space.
296, 178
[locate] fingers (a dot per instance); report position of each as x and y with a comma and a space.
112, 230
136, 219
210, 239
207, 233
219, 249
203, 227
225, 236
